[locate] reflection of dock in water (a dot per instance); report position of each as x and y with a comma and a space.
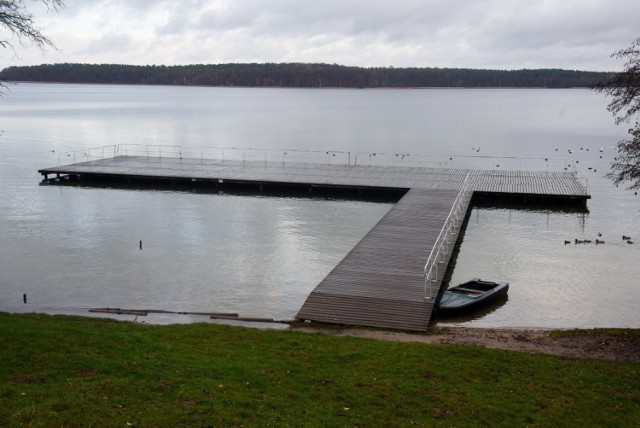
383, 281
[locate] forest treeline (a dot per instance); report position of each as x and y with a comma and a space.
299, 75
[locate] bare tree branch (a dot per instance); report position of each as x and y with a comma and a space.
16, 18
626, 166
624, 89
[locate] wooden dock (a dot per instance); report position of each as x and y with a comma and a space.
534, 183
381, 282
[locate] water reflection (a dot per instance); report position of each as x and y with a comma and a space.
233, 189
545, 206
203, 251
78, 246
551, 281
440, 317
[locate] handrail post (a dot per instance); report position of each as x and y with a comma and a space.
441, 245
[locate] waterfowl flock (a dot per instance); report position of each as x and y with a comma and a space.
598, 241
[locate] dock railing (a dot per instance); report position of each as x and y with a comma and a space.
444, 243
459, 160
73, 157
248, 154
326, 157
582, 179
162, 151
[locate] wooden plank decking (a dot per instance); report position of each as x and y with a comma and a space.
381, 281
562, 184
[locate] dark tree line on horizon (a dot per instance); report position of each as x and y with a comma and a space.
297, 75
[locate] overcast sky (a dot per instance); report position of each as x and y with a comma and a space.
500, 34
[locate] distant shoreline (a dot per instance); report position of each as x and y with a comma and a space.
296, 75
12, 82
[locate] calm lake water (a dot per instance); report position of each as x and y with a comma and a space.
77, 247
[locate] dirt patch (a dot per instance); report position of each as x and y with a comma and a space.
26, 378
187, 403
604, 346
86, 372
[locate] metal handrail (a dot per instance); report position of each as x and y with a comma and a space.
491, 162
441, 246
582, 177
335, 157
237, 153
160, 151
112, 150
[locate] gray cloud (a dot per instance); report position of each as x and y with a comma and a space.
109, 44
578, 34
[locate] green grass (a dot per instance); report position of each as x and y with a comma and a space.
71, 371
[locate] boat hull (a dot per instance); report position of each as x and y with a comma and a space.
471, 295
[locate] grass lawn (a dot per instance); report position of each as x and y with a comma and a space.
72, 371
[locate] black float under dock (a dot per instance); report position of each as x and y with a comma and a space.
391, 277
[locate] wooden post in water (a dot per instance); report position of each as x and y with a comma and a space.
141, 244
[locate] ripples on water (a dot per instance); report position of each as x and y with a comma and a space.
552, 283
261, 256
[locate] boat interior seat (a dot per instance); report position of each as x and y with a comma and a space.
468, 291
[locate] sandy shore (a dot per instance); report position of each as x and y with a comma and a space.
606, 346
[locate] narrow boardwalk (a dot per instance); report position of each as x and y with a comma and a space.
381, 282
